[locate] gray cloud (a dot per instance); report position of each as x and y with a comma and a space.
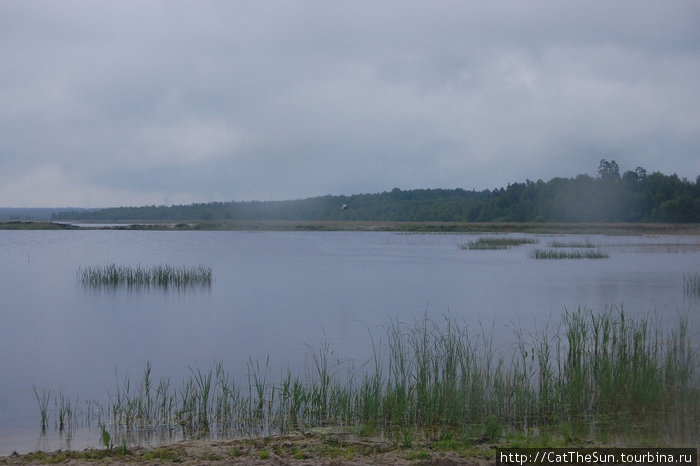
114, 103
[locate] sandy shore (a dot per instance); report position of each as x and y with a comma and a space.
297, 449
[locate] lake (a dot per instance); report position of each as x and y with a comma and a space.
282, 294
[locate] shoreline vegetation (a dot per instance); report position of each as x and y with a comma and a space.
598, 378
634, 196
408, 227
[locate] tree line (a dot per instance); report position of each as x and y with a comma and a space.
634, 196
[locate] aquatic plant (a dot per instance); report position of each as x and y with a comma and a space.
691, 284
64, 412
497, 242
594, 369
162, 276
568, 254
105, 437
43, 402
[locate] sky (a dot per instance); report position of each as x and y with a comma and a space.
142, 102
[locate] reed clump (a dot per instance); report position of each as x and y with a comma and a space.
568, 254
66, 413
43, 402
691, 284
595, 369
162, 276
497, 242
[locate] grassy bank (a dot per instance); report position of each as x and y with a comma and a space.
313, 448
20, 225
457, 227
599, 374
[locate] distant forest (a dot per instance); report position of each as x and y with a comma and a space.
32, 214
634, 196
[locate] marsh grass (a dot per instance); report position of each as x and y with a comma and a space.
64, 413
691, 284
43, 402
161, 276
497, 242
593, 370
568, 254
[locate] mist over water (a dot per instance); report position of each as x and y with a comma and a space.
282, 294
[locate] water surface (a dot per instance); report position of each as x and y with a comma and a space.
281, 293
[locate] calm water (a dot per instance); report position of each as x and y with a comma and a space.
279, 293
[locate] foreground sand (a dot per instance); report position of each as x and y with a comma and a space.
299, 449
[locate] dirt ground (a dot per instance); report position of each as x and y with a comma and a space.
298, 449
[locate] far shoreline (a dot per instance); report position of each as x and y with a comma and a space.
368, 226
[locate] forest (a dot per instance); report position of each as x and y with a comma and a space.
634, 196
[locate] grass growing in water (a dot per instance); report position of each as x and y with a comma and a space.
496, 242
43, 402
163, 276
596, 369
568, 254
65, 414
691, 284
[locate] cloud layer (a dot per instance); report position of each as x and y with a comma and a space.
161, 102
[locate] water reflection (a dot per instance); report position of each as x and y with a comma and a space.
108, 288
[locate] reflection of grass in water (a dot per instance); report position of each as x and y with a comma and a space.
568, 254
652, 248
597, 369
572, 244
691, 284
163, 276
497, 243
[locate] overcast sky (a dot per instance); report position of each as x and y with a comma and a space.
107, 103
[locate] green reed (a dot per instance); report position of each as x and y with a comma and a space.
162, 276
64, 412
595, 368
497, 242
568, 254
43, 402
